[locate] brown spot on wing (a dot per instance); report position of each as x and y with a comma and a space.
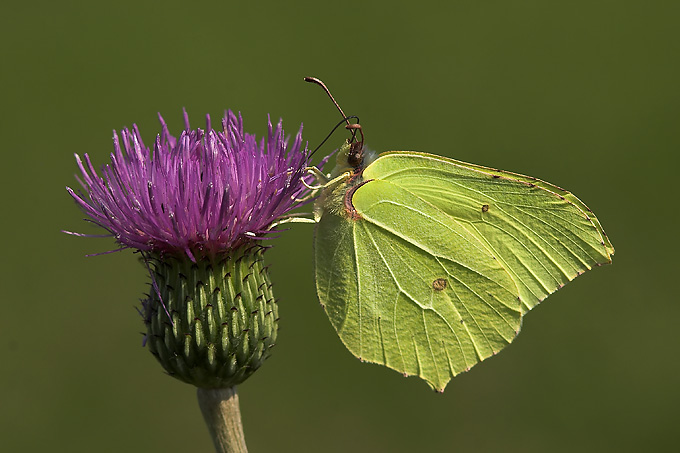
439, 284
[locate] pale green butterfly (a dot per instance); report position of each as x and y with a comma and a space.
427, 265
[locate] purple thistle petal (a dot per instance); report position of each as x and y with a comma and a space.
202, 193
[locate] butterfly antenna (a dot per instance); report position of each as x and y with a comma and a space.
351, 127
332, 131
328, 92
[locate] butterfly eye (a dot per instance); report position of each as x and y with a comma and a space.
355, 157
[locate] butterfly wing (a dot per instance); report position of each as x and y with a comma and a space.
428, 267
543, 235
408, 286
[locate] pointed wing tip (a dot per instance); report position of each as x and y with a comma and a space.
607, 258
437, 387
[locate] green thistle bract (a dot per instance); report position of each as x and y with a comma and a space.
224, 317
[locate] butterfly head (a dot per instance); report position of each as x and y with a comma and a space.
352, 157
349, 158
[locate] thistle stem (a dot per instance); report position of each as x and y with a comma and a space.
221, 412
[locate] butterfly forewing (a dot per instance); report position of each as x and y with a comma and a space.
542, 235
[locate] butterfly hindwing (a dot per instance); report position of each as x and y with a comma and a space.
407, 286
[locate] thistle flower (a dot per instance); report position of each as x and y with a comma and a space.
201, 194
198, 208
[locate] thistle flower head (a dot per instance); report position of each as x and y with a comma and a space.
202, 193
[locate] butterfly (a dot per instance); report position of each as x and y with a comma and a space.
427, 265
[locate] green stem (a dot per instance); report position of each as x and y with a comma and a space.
222, 415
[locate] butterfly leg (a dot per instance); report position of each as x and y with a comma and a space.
291, 219
329, 184
306, 197
318, 175
326, 182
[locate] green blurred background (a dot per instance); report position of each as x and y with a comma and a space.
583, 94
